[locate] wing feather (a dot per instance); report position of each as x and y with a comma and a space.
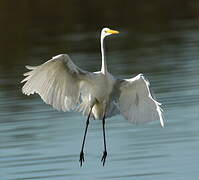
136, 103
57, 81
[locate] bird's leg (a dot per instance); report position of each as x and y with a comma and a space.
81, 157
104, 135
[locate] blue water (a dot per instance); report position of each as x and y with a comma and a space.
38, 142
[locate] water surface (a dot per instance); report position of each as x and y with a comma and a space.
37, 142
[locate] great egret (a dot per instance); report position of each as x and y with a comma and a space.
99, 95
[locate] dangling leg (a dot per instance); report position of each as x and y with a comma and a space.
104, 135
81, 157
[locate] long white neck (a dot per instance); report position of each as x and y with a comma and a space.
104, 66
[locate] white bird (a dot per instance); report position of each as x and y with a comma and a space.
99, 95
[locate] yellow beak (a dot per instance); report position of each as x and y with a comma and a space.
112, 31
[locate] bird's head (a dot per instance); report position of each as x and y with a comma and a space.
106, 32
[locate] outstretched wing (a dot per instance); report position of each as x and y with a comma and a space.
57, 81
136, 103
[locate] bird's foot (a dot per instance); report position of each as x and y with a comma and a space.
81, 158
104, 157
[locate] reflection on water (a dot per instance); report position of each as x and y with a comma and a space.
37, 142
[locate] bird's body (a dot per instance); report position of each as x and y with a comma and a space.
99, 95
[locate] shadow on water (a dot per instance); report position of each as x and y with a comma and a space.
159, 39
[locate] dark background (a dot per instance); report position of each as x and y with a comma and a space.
159, 38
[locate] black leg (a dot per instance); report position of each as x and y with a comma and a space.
81, 157
104, 135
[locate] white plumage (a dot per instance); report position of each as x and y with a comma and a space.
65, 86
